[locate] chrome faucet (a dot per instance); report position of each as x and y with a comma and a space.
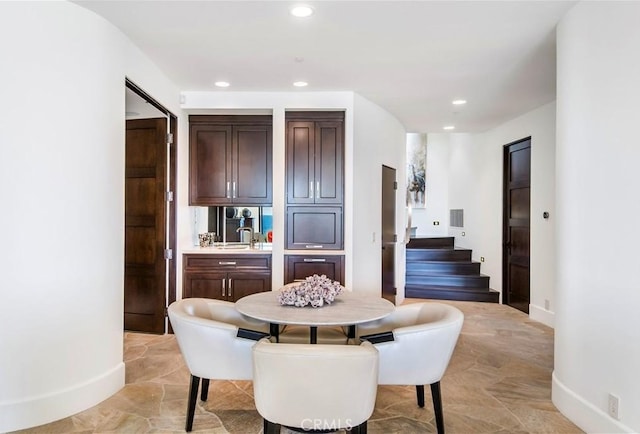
251, 234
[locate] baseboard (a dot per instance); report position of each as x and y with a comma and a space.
38, 410
539, 314
585, 415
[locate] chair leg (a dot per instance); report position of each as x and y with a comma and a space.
420, 395
360, 429
204, 393
270, 427
191, 405
437, 406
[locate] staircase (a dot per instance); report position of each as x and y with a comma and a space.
436, 269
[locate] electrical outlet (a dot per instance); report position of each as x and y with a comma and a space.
436, 223
547, 304
614, 406
481, 258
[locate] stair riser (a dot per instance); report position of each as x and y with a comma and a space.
438, 255
431, 243
453, 280
443, 268
484, 296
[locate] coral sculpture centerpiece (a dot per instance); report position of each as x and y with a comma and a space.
315, 291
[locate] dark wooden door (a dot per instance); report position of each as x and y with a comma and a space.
145, 225
210, 164
252, 155
516, 226
388, 231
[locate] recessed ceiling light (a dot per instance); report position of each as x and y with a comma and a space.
459, 101
301, 11
300, 83
449, 127
222, 83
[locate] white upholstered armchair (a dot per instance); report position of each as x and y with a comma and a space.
424, 336
208, 332
305, 386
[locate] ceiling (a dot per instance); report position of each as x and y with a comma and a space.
410, 57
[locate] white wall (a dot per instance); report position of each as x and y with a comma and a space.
62, 181
379, 139
437, 188
464, 171
597, 322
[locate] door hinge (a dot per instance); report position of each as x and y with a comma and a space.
395, 238
168, 253
166, 311
169, 196
169, 139
395, 185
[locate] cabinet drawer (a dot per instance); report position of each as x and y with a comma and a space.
299, 267
224, 262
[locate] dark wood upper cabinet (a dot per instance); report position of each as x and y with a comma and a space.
315, 157
230, 160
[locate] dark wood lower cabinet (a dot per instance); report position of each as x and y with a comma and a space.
314, 228
225, 277
299, 267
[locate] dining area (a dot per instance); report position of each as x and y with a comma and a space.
497, 381
314, 353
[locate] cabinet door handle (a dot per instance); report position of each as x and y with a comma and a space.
230, 287
315, 260
310, 189
299, 280
313, 246
226, 263
234, 189
228, 195
224, 284
318, 190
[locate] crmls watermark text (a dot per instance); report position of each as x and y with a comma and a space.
326, 424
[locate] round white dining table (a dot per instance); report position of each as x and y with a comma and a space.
348, 309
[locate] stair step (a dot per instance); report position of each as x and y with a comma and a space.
472, 281
431, 243
453, 293
443, 267
438, 255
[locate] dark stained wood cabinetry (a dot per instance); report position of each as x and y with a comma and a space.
315, 158
230, 160
225, 277
299, 267
315, 180
314, 228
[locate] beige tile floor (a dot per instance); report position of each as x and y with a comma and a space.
498, 381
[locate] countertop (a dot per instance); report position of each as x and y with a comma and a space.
230, 249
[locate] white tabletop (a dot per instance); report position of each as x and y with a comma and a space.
347, 309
